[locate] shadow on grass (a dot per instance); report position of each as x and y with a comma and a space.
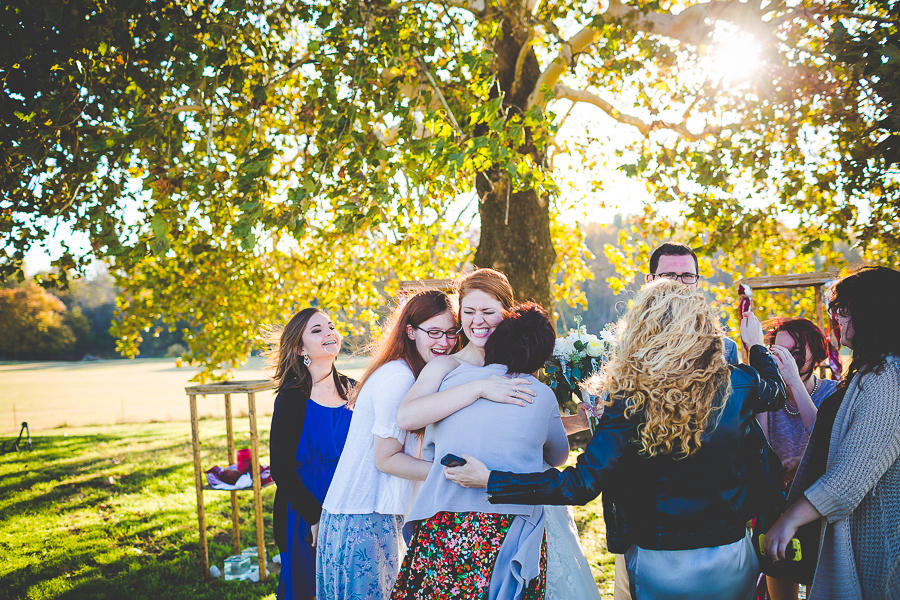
70, 533
65, 476
137, 564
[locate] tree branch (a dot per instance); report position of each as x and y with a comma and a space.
853, 15
693, 25
297, 64
561, 63
563, 91
687, 26
180, 109
645, 128
474, 6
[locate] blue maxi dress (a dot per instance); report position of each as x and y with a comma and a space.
324, 434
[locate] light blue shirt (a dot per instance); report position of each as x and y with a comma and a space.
505, 437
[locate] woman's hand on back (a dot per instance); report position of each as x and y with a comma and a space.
507, 390
751, 330
473, 474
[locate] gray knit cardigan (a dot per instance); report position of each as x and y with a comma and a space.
859, 494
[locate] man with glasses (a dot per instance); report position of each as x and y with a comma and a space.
677, 262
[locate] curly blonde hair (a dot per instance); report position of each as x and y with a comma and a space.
669, 367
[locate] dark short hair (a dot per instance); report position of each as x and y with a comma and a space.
523, 341
672, 249
870, 296
806, 335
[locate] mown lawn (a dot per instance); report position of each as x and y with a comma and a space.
69, 531
109, 513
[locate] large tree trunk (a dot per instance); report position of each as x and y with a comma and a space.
521, 247
515, 226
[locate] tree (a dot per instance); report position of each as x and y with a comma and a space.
231, 160
33, 324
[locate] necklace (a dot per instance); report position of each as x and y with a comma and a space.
796, 411
329, 374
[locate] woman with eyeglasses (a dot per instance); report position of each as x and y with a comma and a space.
798, 347
359, 544
849, 477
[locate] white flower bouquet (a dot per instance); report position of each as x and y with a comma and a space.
577, 356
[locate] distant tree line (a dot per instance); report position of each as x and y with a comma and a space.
69, 324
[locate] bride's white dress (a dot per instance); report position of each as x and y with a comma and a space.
568, 573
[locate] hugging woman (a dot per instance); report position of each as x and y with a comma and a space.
462, 546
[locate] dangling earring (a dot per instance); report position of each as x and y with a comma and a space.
306, 360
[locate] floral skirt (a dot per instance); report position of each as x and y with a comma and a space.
452, 556
357, 556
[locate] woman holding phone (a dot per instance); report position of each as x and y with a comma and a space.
462, 546
485, 296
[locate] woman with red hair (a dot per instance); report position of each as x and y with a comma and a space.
798, 347
359, 541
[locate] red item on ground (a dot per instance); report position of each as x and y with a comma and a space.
237, 476
244, 460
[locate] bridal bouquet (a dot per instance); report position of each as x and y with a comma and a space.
577, 356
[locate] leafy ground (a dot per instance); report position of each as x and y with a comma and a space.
109, 512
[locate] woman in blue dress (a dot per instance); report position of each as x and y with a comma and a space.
309, 428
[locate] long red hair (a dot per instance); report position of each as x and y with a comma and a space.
395, 343
808, 339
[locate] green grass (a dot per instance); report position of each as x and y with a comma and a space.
67, 532
592, 531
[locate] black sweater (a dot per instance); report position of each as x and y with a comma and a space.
287, 427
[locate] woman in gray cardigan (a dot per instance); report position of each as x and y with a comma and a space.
461, 545
849, 476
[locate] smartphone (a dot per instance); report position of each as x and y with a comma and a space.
452, 460
792, 552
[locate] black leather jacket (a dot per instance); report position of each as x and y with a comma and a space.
662, 503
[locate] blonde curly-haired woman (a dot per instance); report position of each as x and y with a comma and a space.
668, 452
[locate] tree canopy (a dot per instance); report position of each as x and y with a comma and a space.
231, 160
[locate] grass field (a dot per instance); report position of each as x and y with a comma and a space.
109, 512
74, 394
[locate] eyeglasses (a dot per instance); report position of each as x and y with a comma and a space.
687, 278
437, 334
